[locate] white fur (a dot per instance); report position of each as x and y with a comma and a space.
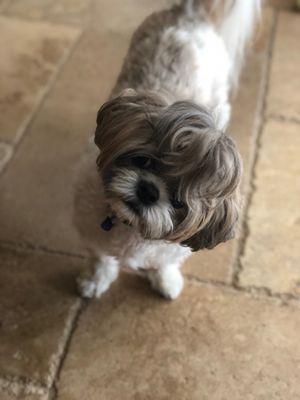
168, 280
204, 68
236, 30
105, 271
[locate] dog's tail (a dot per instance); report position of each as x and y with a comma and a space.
234, 20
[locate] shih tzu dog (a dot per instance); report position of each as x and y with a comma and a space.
163, 180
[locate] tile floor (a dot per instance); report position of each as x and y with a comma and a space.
234, 332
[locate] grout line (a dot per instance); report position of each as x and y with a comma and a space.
46, 90
20, 385
286, 8
46, 19
286, 299
64, 346
41, 249
41, 98
52, 394
8, 152
256, 144
40, 20
212, 282
282, 118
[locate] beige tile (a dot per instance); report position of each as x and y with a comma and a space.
37, 188
99, 14
210, 344
284, 87
70, 11
36, 204
217, 264
282, 3
3, 4
27, 65
38, 302
7, 396
5, 154
213, 264
114, 13
272, 251
21, 395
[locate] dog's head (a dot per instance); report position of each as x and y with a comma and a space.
167, 170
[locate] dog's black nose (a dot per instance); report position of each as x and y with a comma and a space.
147, 193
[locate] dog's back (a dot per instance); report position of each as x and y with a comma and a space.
193, 51
234, 21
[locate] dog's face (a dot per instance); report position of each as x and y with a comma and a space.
167, 170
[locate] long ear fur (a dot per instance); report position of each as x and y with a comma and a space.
221, 227
119, 120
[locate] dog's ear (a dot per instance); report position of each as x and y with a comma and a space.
124, 123
112, 115
221, 227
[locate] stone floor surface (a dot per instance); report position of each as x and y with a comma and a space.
234, 332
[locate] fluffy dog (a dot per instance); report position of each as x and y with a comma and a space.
168, 175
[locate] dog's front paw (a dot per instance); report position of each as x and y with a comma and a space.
89, 288
172, 287
169, 283
99, 280
86, 287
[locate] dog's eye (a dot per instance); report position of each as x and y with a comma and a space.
177, 203
142, 162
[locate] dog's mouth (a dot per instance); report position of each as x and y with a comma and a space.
130, 213
126, 212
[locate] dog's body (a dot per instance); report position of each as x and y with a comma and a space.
161, 139
122, 245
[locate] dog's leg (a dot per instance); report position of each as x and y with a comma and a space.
167, 280
104, 272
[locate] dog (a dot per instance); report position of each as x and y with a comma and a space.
163, 179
